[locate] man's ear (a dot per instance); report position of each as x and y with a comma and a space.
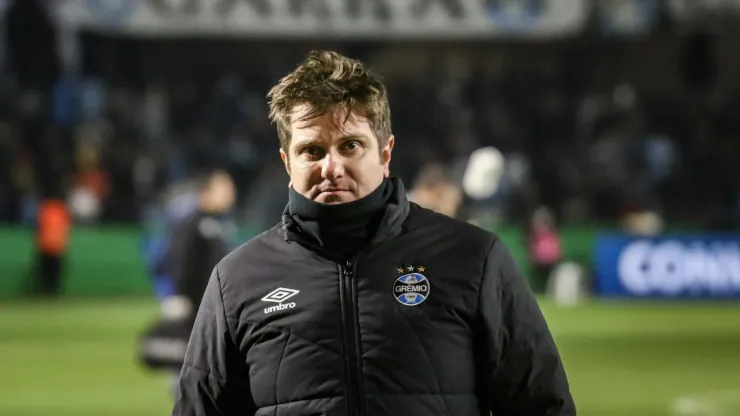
286, 162
385, 155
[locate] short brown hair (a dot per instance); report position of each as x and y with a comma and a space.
325, 80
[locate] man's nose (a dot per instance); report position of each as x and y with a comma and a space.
333, 167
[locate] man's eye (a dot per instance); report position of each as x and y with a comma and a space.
351, 145
312, 151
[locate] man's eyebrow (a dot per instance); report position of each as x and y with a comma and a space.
315, 140
305, 142
354, 137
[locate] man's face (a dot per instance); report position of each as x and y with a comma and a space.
332, 161
221, 193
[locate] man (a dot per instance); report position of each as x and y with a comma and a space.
203, 238
436, 189
52, 239
543, 247
359, 302
197, 244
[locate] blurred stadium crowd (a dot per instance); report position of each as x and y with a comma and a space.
117, 125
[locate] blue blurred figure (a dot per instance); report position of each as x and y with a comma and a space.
186, 238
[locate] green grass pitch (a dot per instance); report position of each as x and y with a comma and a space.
76, 358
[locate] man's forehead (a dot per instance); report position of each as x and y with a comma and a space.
331, 125
336, 114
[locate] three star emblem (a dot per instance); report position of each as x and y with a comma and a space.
411, 269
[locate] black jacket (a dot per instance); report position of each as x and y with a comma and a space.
198, 242
433, 319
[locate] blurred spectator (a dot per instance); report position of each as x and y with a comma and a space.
543, 247
203, 238
90, 188
436, 189
198, 241
51, 244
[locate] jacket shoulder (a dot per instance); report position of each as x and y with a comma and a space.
259, 249
239, 271
471, 235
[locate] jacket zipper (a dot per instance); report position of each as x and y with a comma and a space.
351, 343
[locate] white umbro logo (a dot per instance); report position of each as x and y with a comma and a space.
278, 296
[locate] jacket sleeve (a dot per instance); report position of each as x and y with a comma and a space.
214, 379
523, 372
183, 257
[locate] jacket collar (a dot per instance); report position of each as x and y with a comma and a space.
396, 211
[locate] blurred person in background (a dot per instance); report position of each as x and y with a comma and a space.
52, 235
331, 311
91, 186
197, 243
437, 190
543, 247
203, 238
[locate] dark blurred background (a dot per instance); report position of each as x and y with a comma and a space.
595, 124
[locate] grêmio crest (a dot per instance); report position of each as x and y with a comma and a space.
411, 288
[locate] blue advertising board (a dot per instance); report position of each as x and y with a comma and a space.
681, 266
